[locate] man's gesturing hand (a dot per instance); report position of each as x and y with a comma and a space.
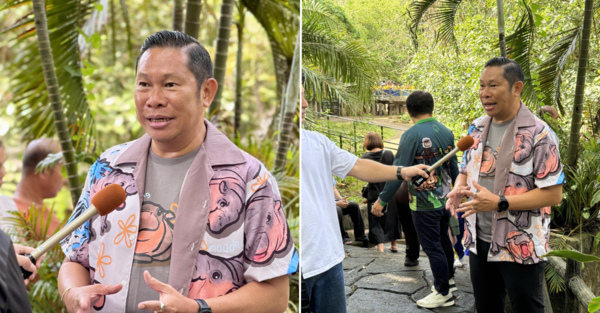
171, 298
82, 299
484, 201
24, 261
454, 199
409, 172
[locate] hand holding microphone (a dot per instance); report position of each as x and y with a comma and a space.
104, 202
462, 145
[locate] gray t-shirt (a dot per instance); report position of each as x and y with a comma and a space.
164, 179
488, 173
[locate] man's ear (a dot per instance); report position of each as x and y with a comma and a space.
208, 90
518, 88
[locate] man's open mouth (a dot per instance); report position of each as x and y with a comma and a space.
158, 120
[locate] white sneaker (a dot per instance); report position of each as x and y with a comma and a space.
458, 262
451, 283
436, 300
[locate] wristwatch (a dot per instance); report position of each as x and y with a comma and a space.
203, 306
399, 173
502, 204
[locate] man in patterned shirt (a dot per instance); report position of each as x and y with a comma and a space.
511, 176
202, 227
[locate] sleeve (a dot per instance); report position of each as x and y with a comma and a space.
404, 157
463, 161
75, 245
547, 168
269, 249
453, 164
341, 160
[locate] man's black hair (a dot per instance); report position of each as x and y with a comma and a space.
199, 61
512, 70
419, 103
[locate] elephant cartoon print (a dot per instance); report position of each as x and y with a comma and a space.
156, 234
226, 208
266, 227
518, 243
215, 276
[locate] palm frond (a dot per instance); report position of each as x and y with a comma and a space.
552, 68
316, 15
518, 46
444, 16
335, 55
32, 109
555, 283
49, 162
416, 11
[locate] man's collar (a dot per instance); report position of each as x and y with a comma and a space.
219, 149
425, 120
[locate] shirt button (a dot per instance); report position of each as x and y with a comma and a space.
123, 283
193, 244
131, 237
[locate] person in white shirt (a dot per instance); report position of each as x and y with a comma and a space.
322, 249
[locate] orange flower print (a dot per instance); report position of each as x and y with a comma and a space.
102, 260
260, 182
127, 229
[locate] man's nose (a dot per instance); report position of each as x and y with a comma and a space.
157, 97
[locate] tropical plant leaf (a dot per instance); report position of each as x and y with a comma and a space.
594, 305
556, 283
552, 68
573, 255
32, 109
416, 11
49, 162
444, 16
334, 54
518, 46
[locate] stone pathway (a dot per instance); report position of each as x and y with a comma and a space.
379, 282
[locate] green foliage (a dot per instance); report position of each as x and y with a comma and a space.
32, 232
49, 162
350, 139
573, 255
555, 282
594, 305
331, 58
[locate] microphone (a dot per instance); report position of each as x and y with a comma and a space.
462, 145
104, 202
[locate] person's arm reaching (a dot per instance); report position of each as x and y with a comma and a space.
375, 172
455, 196
249, 299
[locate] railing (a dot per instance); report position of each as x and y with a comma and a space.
353, 137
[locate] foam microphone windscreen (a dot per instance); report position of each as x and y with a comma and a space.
465, 143
109, 198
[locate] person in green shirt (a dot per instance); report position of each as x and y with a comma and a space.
425, 143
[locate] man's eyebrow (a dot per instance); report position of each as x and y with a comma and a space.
164, 76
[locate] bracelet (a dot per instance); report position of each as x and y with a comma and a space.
65, 292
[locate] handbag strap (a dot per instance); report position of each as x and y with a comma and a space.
382, 153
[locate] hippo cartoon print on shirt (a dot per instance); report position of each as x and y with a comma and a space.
156, 235
518, 243
524, 141
215, 276
546, 159
266, 227
516, 185
227, 189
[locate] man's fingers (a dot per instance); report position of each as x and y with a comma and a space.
422, 173
153, 282
149, 305
422, 166
477, 186
107, 289
19, 249
468, 193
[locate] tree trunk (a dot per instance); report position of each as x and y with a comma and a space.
113, 33
501, 34
41, 24
192, 17
573, 150
221, 56
238, 73
178, 15
289, 107
128, 26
